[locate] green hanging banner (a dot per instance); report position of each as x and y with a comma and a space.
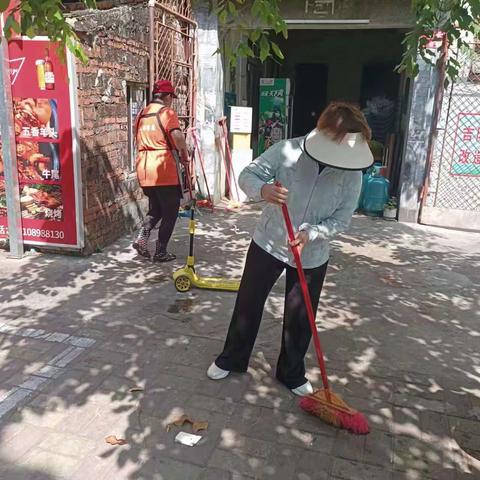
273, 112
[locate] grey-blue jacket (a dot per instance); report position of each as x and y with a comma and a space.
322, 205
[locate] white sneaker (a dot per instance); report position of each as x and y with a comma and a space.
216, 373
303, 390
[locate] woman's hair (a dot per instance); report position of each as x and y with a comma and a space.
340, 118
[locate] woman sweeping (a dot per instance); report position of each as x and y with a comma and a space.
320, 177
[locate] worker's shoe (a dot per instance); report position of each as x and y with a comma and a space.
161, 255
303, 390
141, 242
216, 373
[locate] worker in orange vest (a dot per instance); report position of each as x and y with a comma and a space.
161, 148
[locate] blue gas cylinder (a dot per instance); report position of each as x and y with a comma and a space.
365, 178
375, 195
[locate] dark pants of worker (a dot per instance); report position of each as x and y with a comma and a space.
261, 272
164, 203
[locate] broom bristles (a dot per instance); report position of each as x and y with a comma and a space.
356, 423
337, 413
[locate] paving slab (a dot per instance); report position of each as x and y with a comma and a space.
98, 346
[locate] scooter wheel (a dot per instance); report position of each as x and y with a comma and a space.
183, 283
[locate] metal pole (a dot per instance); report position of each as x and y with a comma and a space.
153, 59
10, 156
439, 93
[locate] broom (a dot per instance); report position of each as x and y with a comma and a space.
323, 403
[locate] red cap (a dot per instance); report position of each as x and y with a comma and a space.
164, 86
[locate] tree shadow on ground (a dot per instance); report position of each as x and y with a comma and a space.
398, 320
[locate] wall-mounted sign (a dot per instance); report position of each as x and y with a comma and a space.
466, 148
241, 120
46, 145
320, 8
137, 100
273, 111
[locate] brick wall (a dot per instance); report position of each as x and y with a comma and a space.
116, 42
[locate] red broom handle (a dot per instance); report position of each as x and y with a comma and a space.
307, 299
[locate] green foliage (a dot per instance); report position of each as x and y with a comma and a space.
249, 27
44, 17
47, 17
435, 19
392, 204
376, 148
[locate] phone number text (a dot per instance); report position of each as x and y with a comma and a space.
39, 233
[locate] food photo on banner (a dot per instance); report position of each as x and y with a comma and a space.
38, 161
43, 105
35, 117
42, 202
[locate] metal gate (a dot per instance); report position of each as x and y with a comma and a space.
453, 198
173, 53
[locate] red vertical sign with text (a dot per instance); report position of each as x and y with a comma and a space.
42, 105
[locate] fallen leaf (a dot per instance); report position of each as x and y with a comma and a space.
113, 440
391, 280
197, 426
135, 390
180, 422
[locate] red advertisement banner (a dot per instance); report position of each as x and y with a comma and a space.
42, 107
466, 148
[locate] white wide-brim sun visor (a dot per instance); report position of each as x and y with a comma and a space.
352, 153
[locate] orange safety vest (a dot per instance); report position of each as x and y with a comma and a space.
155, 163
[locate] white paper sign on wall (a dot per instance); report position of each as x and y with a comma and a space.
241, 120
322, 8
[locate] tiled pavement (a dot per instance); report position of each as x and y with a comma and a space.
399, 321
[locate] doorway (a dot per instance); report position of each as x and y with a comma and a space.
352, 65
254, 73
310, 97
379, 80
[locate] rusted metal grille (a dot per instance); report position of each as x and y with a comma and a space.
455, 172
180, 7
174, 54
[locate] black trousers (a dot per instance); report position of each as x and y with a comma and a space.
261, 272
164, 203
